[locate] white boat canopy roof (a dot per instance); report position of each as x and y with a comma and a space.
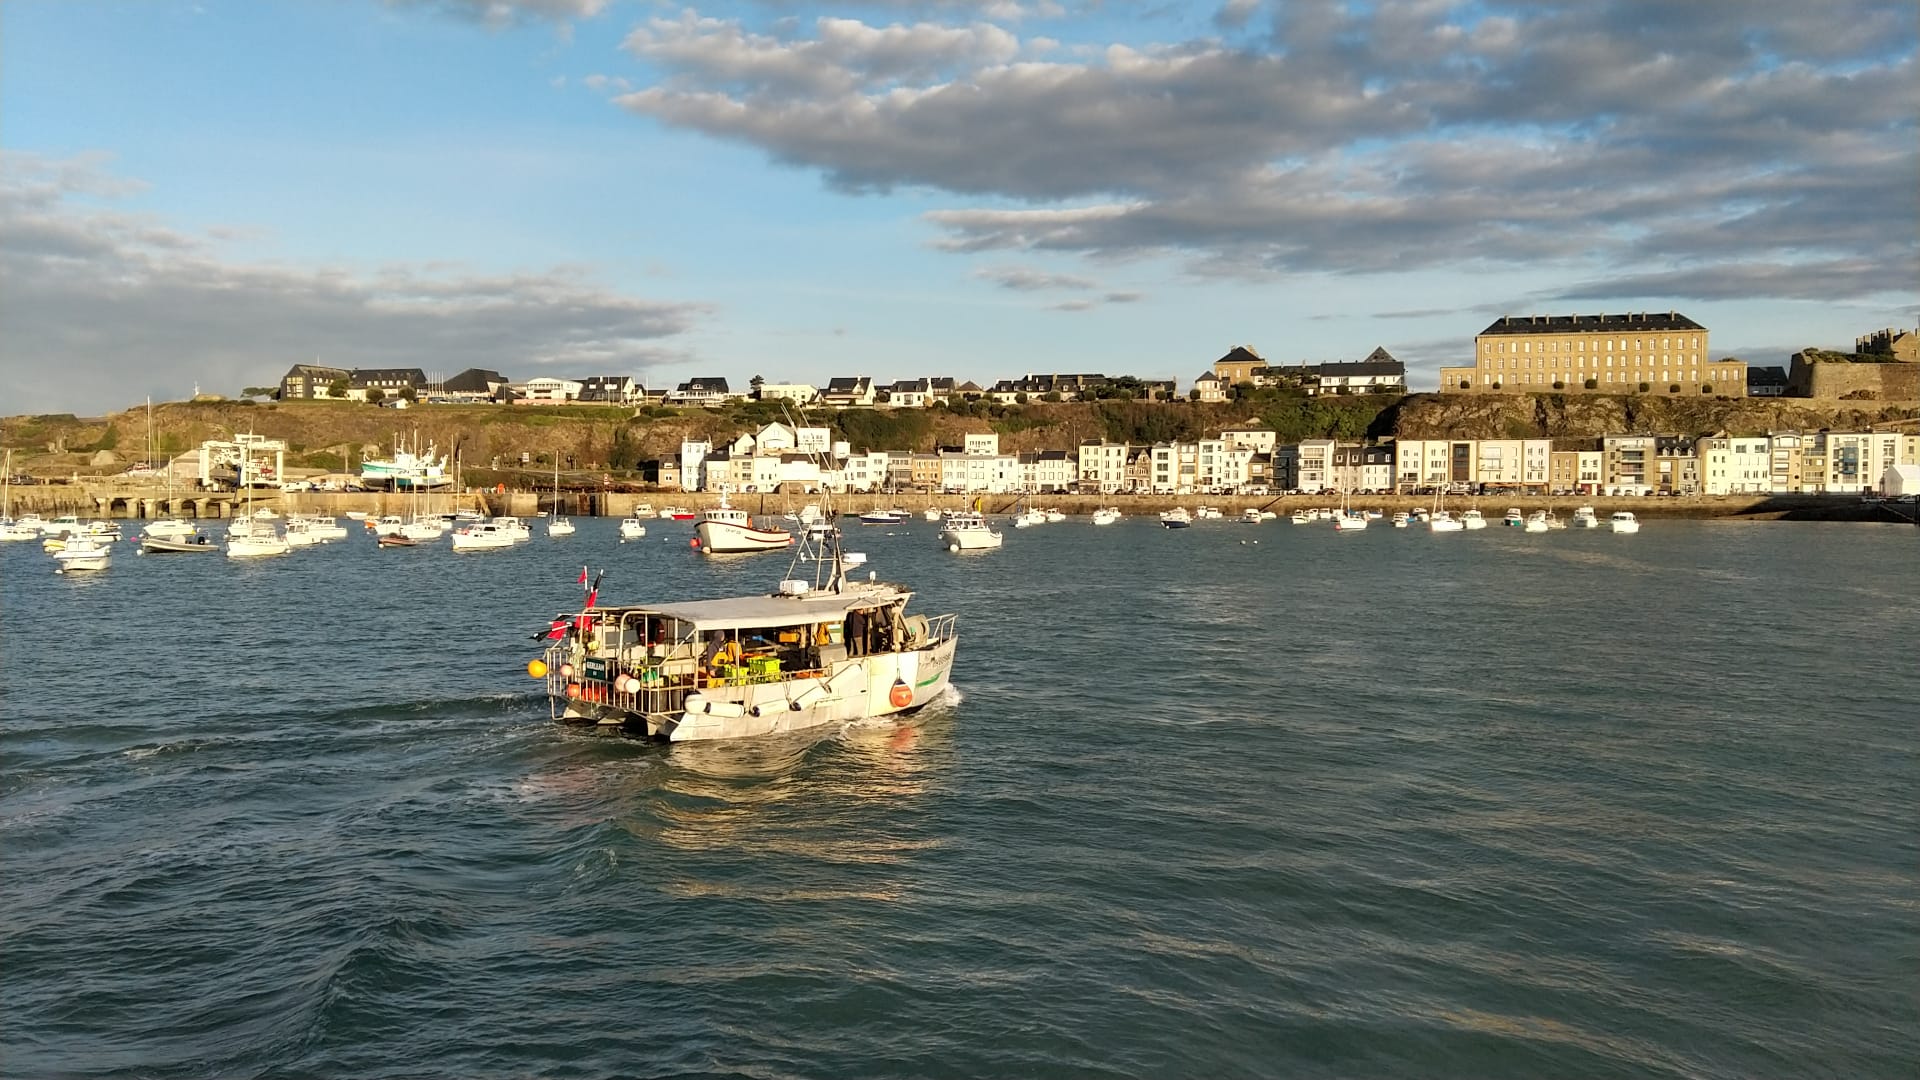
745, 612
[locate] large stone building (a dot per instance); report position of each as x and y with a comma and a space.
1639, 353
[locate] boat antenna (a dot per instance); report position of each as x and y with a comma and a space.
825, 552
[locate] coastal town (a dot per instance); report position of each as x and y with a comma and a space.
790, 438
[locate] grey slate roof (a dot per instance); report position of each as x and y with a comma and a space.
1585, 324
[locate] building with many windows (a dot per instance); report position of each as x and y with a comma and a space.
1639, 353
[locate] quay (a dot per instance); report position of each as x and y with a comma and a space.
118, 498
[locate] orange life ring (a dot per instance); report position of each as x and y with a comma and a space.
901, 695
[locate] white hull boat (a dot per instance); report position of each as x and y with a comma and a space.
560, 527
256, 545
632, 529
1473, 519
1444, 521
82, 554
1106, 515
196, 545
724, 530
1176, 518
1623, 521
483, 536
734, 538
169, 528
931, 513
1350, 521
1536, 522
1585, 518
968, 532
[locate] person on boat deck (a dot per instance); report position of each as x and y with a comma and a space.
720, 650
856, 633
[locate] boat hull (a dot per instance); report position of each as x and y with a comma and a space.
255, 547
969, 539
727, 538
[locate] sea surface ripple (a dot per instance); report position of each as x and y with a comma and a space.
1234, 801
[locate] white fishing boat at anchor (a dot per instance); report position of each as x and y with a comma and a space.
809, 654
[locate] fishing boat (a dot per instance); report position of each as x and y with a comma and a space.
409, 468
724, 530
809, 654
678, 513
1585, 518
632, 528
1176, 518
1514, 519
82, 553
1623, 521
968, 531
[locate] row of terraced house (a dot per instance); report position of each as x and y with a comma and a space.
1251, 460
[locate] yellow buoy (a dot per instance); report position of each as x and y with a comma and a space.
537, 668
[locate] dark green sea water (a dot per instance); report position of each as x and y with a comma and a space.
1476, 805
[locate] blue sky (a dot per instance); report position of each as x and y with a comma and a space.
203, 193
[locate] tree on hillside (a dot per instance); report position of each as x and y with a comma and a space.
408, 394
260, 392
753, 386
337, 388
375, 395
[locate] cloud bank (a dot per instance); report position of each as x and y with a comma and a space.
102, 305
1761, 149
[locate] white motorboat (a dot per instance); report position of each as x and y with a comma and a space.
18, 530
1444, 521
1106, 515
1514, 519
1554, 522
883, 517
677, 513
968, 531
1401, 519
1054, 517
1585, 518
931, 513
325, 527
1623, 521
1473, 519
61, 526
82, 552
1208, 513
300, 534
1176, 518
1350, 521
811, 654
1251, 516
512, 526
1536, 522
632, 528
256, 545
483, 536
1303, 517
724, 530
